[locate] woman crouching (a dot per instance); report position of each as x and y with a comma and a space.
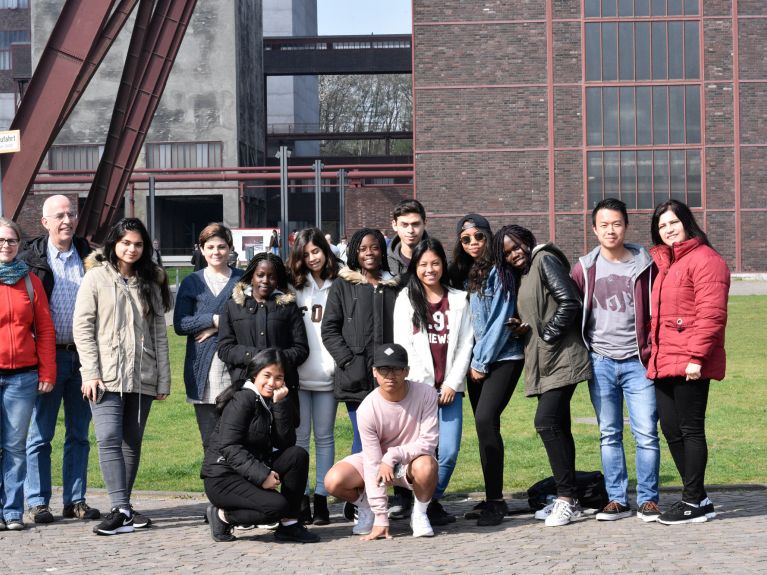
253, 452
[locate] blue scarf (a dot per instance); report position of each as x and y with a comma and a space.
13, 272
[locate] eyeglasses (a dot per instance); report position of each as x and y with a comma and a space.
386, 371
61, 215
479, 236
8, 242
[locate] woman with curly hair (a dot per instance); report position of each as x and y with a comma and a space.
120, 334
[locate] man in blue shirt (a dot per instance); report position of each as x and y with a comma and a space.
57, 259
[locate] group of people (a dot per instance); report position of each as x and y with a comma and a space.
397, 333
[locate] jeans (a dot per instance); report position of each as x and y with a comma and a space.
17, 399
613, 381
682, 411
351, 408
247, 504
450, 428
552, 422
488, 400
77, 419
207, 418
119, 422
318, 411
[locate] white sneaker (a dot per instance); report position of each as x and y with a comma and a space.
419, 523
563, 513
365, 519
545, 512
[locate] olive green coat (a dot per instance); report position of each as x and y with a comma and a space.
549, 301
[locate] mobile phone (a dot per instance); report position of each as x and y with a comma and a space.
100, 391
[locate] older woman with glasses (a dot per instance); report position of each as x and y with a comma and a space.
27, 367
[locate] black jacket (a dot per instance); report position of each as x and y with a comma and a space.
247, 327
357, 317
246, 435
35, 254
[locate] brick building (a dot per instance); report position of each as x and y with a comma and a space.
532, 111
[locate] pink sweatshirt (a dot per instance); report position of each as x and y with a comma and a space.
395, 432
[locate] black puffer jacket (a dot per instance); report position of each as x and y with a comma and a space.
246, 434
35, 254
247, 327
357, 317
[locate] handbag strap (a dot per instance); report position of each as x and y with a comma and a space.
31, 294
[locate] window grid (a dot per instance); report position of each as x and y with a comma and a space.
172, 155
643, 174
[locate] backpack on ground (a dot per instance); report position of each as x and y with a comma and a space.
591, 491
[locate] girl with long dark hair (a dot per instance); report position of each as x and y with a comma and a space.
497, 359
313, 269
120, 334
689, 317
433, 323
358, 317
253, 452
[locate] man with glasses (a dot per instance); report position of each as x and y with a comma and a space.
57, 259
399, 429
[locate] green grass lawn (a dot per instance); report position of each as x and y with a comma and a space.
737, 413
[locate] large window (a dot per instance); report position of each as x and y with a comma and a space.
8, 37
184, 155
79, 157
643, 101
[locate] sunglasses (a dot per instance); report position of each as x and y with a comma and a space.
479, 236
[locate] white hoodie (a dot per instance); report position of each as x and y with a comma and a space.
316, 373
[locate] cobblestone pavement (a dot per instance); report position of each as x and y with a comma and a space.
733, 543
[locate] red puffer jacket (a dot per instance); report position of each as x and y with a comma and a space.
689, 310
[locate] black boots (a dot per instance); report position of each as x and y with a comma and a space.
321, 512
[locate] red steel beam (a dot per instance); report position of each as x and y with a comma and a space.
126, 94
172, 27
45, 102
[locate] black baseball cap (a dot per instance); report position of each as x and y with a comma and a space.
471, 221
390, 355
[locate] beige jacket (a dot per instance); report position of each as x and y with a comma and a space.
116, 342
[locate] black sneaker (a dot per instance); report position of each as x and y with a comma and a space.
682, 512
296, 533
219, 530
614, 511
40, 514
437, 514
708, 508
350, 511
81, 510
476, 511
115, 522
492, 514
140, 521
402, 504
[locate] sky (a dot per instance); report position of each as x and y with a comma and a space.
336, 17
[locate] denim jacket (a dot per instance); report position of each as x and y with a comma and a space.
493, 340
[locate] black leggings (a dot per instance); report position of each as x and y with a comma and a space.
682, 415
488, 400
247, 504
552, 422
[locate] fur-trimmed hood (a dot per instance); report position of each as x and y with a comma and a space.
242, 291
355, 277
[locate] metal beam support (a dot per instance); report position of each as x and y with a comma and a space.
46, 101
341, 203
318, 194
170, 27
283, 154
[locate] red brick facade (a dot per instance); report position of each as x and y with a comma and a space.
489, 74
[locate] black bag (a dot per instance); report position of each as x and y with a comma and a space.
591, 491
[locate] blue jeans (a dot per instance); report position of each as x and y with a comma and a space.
450, 429
17, 399
614, 381
77, 419
318, 411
